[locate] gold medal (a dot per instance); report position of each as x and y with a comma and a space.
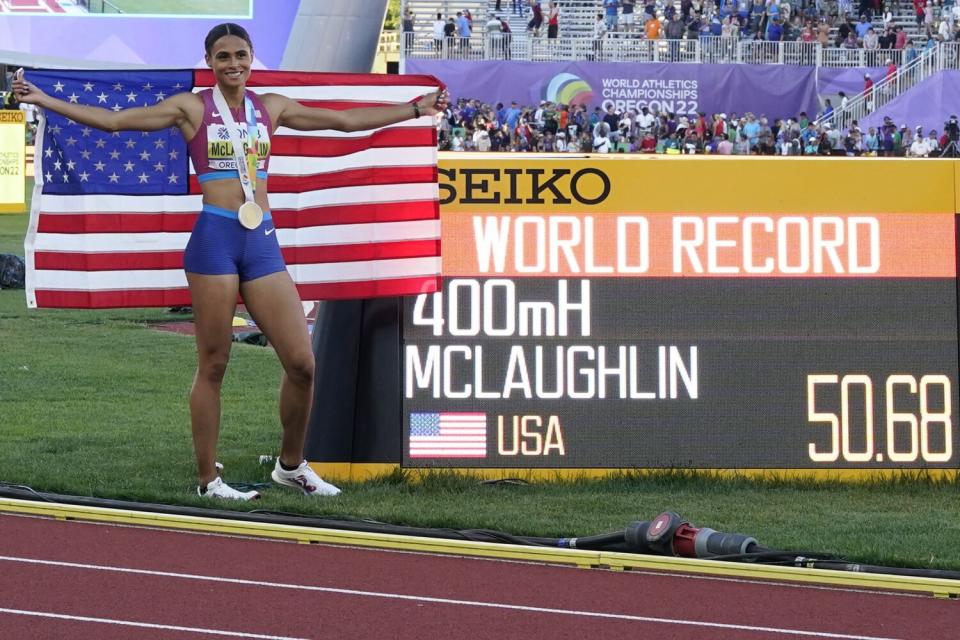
250, 214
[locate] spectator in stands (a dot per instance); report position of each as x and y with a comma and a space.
536, 21
868, 90
494, 32
792, 29
728, 29
723, 146
610, 13
871, 142
906, 139
645, 120
599, 32
601, 139
406, 24
693, 25
824, 147
757, 12
673, 31
888, 138
933, 143
652, 28
463, 31
456, 142
449, 31
481, 139
774, 30
648, 144
438, 33
836, 139
910, 52
870, 40
827, 115
919, 147
692, 144
553, 21
887, 39
899, 37
945, 31
507, 36
751, 128
823, 33
719, 126
626, 17
612, 119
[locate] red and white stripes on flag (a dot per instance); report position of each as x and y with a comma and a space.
357, 214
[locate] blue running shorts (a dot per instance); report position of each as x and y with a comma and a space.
220, 245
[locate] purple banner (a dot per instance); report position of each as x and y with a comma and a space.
831, 81
928, 105
772, 90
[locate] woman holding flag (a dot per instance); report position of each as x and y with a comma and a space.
233, 249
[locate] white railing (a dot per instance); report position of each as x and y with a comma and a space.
793, 52
949, 55
886, 89
839, 57
621, 47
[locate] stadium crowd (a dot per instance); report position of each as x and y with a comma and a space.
832, 23
469, 125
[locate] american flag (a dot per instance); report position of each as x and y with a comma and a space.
448, 435
357, 214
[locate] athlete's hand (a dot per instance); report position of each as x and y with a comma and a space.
434, 103
25, 91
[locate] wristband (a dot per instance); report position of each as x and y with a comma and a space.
416, 110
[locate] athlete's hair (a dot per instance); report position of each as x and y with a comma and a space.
226, 29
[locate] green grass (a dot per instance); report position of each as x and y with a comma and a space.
231, 8
94, 403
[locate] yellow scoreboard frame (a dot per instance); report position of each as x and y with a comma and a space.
889, 366
13, 161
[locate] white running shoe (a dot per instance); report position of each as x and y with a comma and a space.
303, 478
217, 488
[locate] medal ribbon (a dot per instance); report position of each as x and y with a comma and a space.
245, 154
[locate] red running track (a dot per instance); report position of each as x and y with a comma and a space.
66, 579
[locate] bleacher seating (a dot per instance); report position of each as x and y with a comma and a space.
579, 16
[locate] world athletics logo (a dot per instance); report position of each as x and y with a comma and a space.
566, 88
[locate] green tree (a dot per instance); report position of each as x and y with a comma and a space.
391, 21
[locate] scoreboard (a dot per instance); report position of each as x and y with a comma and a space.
707, 313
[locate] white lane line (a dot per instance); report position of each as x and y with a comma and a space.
451, 601
145, 625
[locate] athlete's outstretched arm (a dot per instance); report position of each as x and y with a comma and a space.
168, 113
294, 115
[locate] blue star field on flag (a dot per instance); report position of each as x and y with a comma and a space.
424, 424
78, 159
